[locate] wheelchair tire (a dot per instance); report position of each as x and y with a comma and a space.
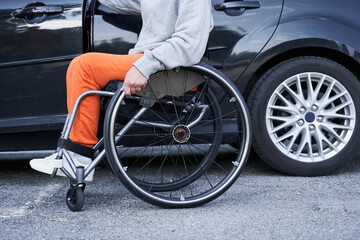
75, 198
182, 166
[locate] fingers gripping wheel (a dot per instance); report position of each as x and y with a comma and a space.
181, 140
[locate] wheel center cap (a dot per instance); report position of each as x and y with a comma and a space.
310, 117
180, 133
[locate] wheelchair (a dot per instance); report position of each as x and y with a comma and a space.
180, 142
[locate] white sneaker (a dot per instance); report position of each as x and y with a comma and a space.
47, 165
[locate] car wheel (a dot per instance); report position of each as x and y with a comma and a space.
305, 116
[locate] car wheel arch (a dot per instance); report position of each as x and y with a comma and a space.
269, 59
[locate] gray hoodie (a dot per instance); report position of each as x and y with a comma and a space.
174, 32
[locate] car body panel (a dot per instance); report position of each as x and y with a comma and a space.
243, 45
41, 97
33, 62
306, 28
244, 37
234, 39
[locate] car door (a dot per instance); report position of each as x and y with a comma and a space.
241, 30
37, 42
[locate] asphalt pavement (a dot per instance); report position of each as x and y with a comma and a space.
262, 204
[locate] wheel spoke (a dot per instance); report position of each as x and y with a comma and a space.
293, 132
310, 146
318, 136
206, 142
303, 143
213, 162
331, 125
143, 149
295, 135
161, 105
317, 89
205, 174
299, 87
283, 109
217, 118
285, 119
187, 174
330, 144
298, 99
333, 133
334, 110
284, 100
288, 122
334, 98
338, 116
325, 98
159, 170
310, 90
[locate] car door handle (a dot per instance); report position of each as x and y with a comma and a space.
47, 9
237, 4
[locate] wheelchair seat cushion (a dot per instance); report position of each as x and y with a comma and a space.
173, 82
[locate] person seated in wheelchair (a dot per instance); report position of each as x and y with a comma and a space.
174, 34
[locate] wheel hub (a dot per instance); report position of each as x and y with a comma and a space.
180, 133
310, 117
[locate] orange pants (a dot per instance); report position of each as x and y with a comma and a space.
92, 71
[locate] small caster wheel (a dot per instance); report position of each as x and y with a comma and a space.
75, 198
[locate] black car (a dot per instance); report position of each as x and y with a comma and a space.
296, 62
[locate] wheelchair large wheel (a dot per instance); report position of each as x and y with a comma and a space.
173, 149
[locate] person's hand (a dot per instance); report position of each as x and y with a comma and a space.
134, 82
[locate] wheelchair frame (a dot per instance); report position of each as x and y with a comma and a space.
75, 195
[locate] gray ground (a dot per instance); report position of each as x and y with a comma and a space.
262, 204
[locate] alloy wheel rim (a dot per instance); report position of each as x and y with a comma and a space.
310, 117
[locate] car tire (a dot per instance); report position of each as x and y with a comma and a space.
305, 115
